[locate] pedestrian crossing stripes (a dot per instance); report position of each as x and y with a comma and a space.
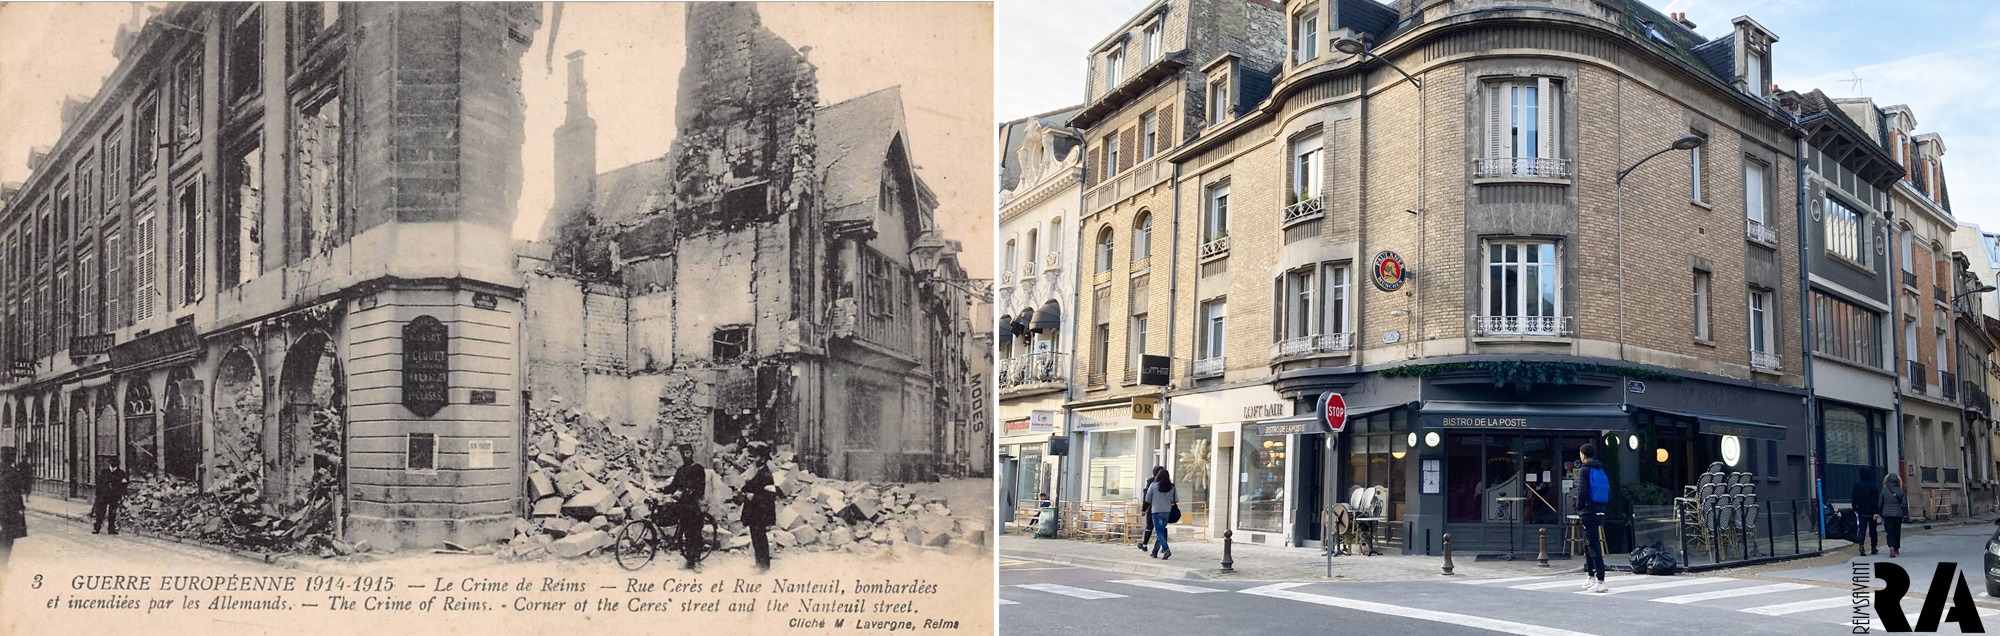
1175, 587
1669, 584
1283, 590
1782, 609
1566, 581
1732, 593
1512, 579
1003, 601
1072, 592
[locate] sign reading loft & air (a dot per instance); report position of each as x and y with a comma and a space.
1388, 272
426, 366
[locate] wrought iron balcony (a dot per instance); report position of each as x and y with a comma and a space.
1312, 345
1756, 230
1034, 370
1217, 246
1764, 360
1311, 207
1948, 384
1942, 295
1910, 279
1525, 167
1521, 325
1919, 378
1208, 367
1975, 398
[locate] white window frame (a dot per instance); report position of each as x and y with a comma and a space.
1524, 127
1753, 74
1151, 48
1215, 217
1703, 284
1305, 46
1762, 321
1214, 328
1337, 309
1301, 313
1538, 320
1106, 248
1055, 242
1308, 167
1135, 339
1142, 238
1111, 155
1756, 183
1218, 100
1114, 67
1846, 232
1149, 132
1008, 259
1695, 184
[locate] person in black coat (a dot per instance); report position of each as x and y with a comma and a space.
112, 483
1146, 508
13, 503
691, 486
1867, 497
760, 504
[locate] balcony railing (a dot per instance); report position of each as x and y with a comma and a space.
1208, 367
1756, 230
1941, 295
1918, 377
1311, 345
1763, 360
1034, 369
1975, 398
1910, 279
1948, 384
1521, 325
1217, 246
1309, 208
1529, 167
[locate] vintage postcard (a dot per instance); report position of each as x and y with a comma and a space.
605, 318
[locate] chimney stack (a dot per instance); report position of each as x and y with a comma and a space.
576, 146
1682, 18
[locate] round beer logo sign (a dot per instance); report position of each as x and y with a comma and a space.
1388, 272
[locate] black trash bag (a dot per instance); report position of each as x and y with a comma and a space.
1642, 559
1664, 563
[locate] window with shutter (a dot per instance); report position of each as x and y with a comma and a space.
1127, 139
1167, 126
86, 301
1523, 129
114, 282
145, 267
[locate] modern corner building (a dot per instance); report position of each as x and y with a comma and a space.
1500, 232
216, 265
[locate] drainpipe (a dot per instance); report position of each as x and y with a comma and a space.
1173, 306
1815, 439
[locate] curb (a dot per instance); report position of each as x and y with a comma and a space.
286, 561
1142, 569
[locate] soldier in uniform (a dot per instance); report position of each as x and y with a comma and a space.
760, 504
111, 486
691, 486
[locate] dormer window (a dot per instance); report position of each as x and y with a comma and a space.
1753, 50
1753, 75
1152, 46
1218, 99
1305, 34
1114, 68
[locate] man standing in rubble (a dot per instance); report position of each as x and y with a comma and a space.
760, 504
691, 487
111, 486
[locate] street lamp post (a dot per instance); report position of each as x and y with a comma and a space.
1685, 142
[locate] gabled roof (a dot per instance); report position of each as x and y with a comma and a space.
854, 140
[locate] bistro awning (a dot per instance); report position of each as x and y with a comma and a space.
1719, 425
1048, 318
1006, 329
1571, 417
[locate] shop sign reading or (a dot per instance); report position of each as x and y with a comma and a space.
1146, 407
426, 366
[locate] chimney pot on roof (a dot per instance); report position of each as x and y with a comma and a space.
1683, 19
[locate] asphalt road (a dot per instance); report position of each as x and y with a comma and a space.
1039, 598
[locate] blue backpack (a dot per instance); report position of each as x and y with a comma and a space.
1593, 488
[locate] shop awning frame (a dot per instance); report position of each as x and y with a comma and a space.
1446, 414
1316, 423
1720, 425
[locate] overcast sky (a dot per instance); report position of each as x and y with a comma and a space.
941, 54
1940, 57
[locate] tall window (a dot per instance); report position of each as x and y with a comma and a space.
1701, 330
1753, 74
246, 42
187, 99
1031, 251
318, 156
1007, 259
1142, 237
1218, 100
86, 195
1213, 314
1135, 332
1909, 247
1104, 250
1056, 241
187, 247
114, 284
1216, 221
1100, 334
114, 169
145, 264
1149, 134
1523, 289
1306, 46
86, 294
1296, 290
1847, 331
1523, 124
1755, 178
145, 135
1152, 50
1110, 155
1846, 233
1334, 277
1761, 331
1694, 174
1114, 68
243, 212
1307, 171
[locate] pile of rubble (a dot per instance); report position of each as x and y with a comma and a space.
234, 511
586, 480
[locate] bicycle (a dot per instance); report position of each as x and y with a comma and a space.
640, 540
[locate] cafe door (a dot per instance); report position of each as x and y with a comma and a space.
1308, 475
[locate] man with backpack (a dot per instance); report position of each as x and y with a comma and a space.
1593, 492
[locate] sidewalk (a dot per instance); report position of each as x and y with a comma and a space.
79, 511
1194, 559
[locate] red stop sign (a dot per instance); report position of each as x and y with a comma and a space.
1334, 409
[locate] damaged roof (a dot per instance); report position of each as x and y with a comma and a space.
854, 141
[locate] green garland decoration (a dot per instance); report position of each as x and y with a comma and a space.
1525, 374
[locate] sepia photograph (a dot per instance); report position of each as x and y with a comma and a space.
615, 317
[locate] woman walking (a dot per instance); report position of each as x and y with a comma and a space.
1146, 507
1162, 497
1895, 507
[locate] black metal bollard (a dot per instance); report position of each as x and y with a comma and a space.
1543, 556
1228, 540
1447, 554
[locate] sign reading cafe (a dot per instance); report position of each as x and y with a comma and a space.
426, 370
